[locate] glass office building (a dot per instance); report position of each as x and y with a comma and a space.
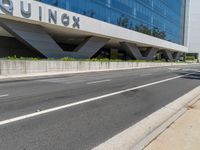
160, 18
85, 29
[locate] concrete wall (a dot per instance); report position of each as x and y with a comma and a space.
20, 67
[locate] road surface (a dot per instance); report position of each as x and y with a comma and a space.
81, 111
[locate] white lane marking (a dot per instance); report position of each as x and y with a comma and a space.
86, 101
143, 75
174, 69
5, 95
101, 81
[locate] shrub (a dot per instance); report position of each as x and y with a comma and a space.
190, 57
20, 58
67, 59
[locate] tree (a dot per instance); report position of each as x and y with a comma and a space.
123, 21
143, 29
90, 13
157, 33
154, 31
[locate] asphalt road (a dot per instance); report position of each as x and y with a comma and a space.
81, 111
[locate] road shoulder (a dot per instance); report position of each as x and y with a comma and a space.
183, 134
141, 134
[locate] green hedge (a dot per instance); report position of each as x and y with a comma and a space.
93, 60
190, 58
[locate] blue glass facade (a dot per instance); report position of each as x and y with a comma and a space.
164, 16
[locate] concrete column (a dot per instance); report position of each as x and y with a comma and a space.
150, 53
134, 52
168, 55
33, 36
171, 56
177, 55
89, 47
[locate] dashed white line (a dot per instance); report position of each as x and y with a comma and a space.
8, 121
143, 75
174, 69
101, 81
5, 95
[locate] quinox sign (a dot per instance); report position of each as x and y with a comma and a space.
37, 11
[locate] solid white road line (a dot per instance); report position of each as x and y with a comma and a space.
101, 81
143, 132
86, 101
5, 95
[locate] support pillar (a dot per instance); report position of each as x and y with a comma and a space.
177, 55
150, 53
172, 56
134, 52
168, 55
89, 47
33, 36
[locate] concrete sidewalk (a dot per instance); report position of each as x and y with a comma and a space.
184, 134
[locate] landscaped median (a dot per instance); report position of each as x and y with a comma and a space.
53, 67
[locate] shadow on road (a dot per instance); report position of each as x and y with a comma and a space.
194, 75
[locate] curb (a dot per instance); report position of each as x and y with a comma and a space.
141, 134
